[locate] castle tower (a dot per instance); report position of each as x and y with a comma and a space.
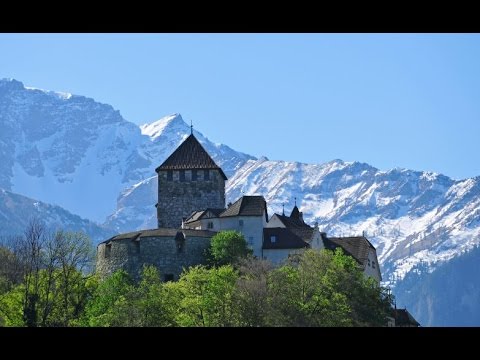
189, 180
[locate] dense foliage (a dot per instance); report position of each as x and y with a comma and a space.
43, 277
228, 247
317, 288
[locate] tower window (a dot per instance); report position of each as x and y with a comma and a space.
108, 250
182, 175
373, 264
137, 247
170, 175
206, 175
194, 175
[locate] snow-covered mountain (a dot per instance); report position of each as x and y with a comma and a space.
17, 210
412, 217
74, 152
71, 151
447, 296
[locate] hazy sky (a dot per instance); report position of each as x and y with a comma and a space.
406, 100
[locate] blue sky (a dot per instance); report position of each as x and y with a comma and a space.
406, 100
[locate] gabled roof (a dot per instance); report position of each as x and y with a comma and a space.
356, 246
163, 232
305, 233
290, 222
296, 225
196, 215
190, 155
215, 212
202, 214
247, 206
285, 239
404, 318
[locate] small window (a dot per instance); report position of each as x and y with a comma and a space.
373, 264
194, 175
206, 175
240, 222
168, 277
250, 240
368, 262
137, 247
170, 175
108, 250
182, 175
273, 239
210, 225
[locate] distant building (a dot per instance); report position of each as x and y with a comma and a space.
247, 215
361, 250
191, 209
402, 318
285, 236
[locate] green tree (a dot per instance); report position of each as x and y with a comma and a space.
251, 292
205, 296
228, 247
149, 301
325, 288
11, 307
49, 269
50, 309
11, 272
105, 308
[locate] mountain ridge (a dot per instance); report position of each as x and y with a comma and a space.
82, 155
71, 150
17, 210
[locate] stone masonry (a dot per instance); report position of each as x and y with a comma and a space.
178, 199
169, 250
188, 181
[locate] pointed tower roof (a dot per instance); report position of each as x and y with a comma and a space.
295, 213
190, 155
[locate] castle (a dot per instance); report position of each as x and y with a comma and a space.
191, 209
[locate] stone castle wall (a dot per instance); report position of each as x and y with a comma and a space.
178, 199
167, 254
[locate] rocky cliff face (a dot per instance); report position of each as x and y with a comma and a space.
75, 152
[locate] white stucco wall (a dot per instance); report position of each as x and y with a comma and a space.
252, 230
317, 242
275, 222
278, 256
215, 221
